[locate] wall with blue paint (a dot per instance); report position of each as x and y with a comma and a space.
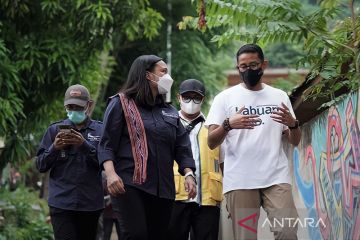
326, 172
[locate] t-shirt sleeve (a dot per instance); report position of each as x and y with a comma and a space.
217, 112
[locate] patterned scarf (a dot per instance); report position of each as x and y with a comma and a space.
137, 135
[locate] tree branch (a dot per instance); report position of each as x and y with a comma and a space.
330, 41
353, 18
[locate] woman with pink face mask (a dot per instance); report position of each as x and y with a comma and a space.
141, 137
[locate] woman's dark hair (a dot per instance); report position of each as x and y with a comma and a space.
250, 48
137, 86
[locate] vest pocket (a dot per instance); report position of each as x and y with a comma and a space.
215, 185
177, 183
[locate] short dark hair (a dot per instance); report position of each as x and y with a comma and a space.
137, 86
250, 48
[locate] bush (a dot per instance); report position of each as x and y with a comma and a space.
24, 216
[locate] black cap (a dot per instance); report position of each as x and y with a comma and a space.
192, 85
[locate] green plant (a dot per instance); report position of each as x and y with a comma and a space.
25, 216
329, 35
283, 55
193, 54
47, 45
287, 84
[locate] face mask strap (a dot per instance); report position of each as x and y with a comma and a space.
154, 75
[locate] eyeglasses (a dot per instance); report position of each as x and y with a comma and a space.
252, 66
196, 100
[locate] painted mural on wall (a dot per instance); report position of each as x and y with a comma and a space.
327, 171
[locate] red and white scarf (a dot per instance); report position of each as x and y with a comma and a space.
137, 135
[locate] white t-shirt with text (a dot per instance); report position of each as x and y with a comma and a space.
254, 158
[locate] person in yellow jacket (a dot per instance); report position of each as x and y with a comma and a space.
199, 215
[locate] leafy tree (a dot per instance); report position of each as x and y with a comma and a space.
283, 55
193, 55
287, 84
47, 45
329, 35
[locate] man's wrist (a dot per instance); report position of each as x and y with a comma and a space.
226, 125
191, 174
296, 125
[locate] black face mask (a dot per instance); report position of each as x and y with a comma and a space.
251, 77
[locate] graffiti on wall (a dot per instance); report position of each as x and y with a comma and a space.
327, 171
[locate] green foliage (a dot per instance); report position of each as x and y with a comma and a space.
11, 104
329, 34
47, 45
287, 84
193, 55
194, 58
24, 216
282, 55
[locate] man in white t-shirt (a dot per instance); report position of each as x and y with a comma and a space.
252, 118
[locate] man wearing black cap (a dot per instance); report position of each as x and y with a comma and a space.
68, 150
200, 215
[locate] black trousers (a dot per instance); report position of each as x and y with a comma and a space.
203, 221
74, 225
108, 226
142, 216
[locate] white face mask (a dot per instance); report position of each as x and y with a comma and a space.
164, 84
190, 107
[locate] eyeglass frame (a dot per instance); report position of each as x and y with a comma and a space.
252, 66
189, 99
